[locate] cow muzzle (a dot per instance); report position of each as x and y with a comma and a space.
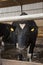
20, 48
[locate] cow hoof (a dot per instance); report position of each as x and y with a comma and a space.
29, 60
19, 57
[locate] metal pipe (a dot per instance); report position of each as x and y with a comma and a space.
24, 17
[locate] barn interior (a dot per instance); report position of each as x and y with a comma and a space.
15, 8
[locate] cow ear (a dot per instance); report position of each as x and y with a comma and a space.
32, 29
12, 29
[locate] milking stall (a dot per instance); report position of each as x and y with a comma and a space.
21, 32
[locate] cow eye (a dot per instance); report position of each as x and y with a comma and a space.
12, 29
32, 29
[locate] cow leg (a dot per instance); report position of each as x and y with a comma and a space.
2, 44
28, 54
19, 55
31, 49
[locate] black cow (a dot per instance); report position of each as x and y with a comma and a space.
23, 35
26, 34
6, 35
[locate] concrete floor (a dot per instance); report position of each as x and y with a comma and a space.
38, 50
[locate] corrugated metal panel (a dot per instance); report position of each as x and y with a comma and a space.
33, 6
10, 9
34, 11
16, 10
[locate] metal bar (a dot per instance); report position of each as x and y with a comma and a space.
24, 17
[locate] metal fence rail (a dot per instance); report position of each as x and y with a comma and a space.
24, 17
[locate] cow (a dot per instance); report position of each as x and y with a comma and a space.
22, 35
6, 31
26, 34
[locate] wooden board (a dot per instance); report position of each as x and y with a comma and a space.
14, 62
